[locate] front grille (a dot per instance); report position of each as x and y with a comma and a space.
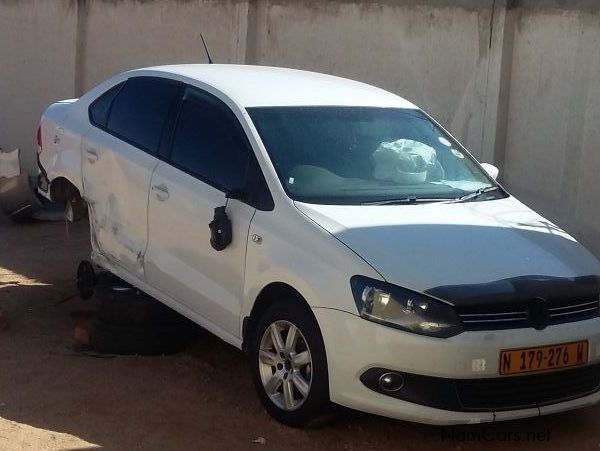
496, 319
518, 392
518, 315
573, 312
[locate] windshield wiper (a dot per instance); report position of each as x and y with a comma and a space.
476, 194
405, 201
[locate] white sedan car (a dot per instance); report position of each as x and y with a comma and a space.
335, 232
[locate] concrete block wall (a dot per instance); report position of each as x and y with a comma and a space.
518, 81
37, 61
551, 158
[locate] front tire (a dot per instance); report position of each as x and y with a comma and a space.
290, 366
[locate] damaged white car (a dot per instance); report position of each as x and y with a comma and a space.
334, 231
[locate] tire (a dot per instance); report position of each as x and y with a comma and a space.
314, 408
132, 308
139, 340
86, 279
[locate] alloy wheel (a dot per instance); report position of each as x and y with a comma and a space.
285, 365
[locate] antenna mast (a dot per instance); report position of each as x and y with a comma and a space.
210, 61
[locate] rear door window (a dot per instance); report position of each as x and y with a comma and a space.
100, 108
209, 143
139, 111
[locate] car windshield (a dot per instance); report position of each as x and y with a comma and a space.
358, 155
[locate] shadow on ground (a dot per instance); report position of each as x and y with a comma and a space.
54, 398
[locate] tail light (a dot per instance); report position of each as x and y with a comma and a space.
39, 140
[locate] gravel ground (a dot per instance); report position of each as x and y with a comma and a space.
52, 397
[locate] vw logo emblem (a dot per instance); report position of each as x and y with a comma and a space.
538, 313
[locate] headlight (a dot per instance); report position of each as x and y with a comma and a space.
404, 309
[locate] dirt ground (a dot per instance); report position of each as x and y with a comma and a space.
52, 397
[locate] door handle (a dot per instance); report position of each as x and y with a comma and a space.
161, 191
92, 154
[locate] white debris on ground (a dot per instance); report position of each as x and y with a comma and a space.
9, 163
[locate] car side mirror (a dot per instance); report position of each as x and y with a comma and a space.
220, 230
221, 233
491, 170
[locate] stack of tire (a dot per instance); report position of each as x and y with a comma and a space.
129, 322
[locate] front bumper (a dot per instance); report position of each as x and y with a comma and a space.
354, 345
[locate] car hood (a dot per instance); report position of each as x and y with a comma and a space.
433, 247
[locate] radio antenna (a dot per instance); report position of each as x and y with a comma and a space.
210, 61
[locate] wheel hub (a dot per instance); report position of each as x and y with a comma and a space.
285, 365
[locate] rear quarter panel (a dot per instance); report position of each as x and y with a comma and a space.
63, 126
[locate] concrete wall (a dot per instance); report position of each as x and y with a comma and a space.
120, 35
37, 61
552, 154
518, 81
436, 57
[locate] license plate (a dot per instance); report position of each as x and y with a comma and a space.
542, 358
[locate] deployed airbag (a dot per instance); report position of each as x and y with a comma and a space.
404, 161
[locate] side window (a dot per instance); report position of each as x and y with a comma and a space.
100, 108
209, 143
139, 111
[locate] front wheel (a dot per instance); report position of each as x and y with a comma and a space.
290, 366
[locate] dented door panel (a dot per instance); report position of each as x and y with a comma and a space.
116, 180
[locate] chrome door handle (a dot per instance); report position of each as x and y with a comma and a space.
161, 191
92, 154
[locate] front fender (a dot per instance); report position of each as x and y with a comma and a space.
296, 251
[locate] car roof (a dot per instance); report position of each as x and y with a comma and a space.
253, 86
